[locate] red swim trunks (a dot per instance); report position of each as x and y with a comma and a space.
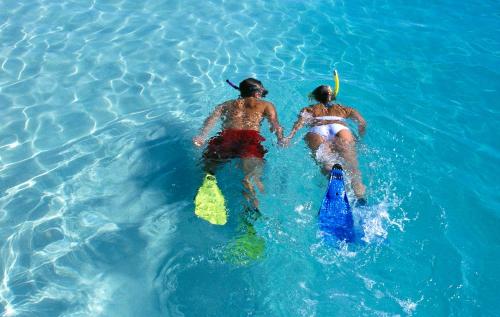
233, 143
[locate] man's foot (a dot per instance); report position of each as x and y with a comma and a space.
251, 214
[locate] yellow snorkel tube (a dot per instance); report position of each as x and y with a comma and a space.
336, 89
337, 83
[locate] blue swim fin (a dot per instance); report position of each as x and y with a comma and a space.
335, 215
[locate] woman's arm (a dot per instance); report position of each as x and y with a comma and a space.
299, 123
356, 116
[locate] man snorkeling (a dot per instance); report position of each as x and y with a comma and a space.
329, 134
240, 136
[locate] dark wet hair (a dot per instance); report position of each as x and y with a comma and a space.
250, 86
321, 93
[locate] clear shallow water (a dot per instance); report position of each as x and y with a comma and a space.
99, 101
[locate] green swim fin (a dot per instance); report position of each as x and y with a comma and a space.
209, 202
246, 248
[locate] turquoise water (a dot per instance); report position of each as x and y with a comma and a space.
99, 101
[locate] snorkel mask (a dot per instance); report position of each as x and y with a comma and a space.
255, 88
263, 92
333, 92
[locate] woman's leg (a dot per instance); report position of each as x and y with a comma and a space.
344, 143
314, 142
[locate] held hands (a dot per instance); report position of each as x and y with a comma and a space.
279, 134
284, 142
198, 140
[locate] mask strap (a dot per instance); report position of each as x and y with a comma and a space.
232, 85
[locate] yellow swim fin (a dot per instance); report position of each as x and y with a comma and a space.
337, 83
209, 202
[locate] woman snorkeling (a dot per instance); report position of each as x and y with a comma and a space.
329, 134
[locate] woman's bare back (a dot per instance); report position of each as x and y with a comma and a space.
319, 110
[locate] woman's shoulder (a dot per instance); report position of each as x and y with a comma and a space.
312, 109
341, 109
315, 107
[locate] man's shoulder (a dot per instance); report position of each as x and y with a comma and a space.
226, 103
264, 104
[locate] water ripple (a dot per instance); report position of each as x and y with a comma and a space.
94, 203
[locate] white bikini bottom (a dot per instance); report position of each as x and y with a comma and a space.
328, 131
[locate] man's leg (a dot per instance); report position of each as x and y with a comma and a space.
210, 165
252, 170
344, 143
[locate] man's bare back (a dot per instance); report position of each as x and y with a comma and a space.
247, 113
241, 114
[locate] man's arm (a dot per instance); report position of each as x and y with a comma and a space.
272, 116
209, 123
356, 116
